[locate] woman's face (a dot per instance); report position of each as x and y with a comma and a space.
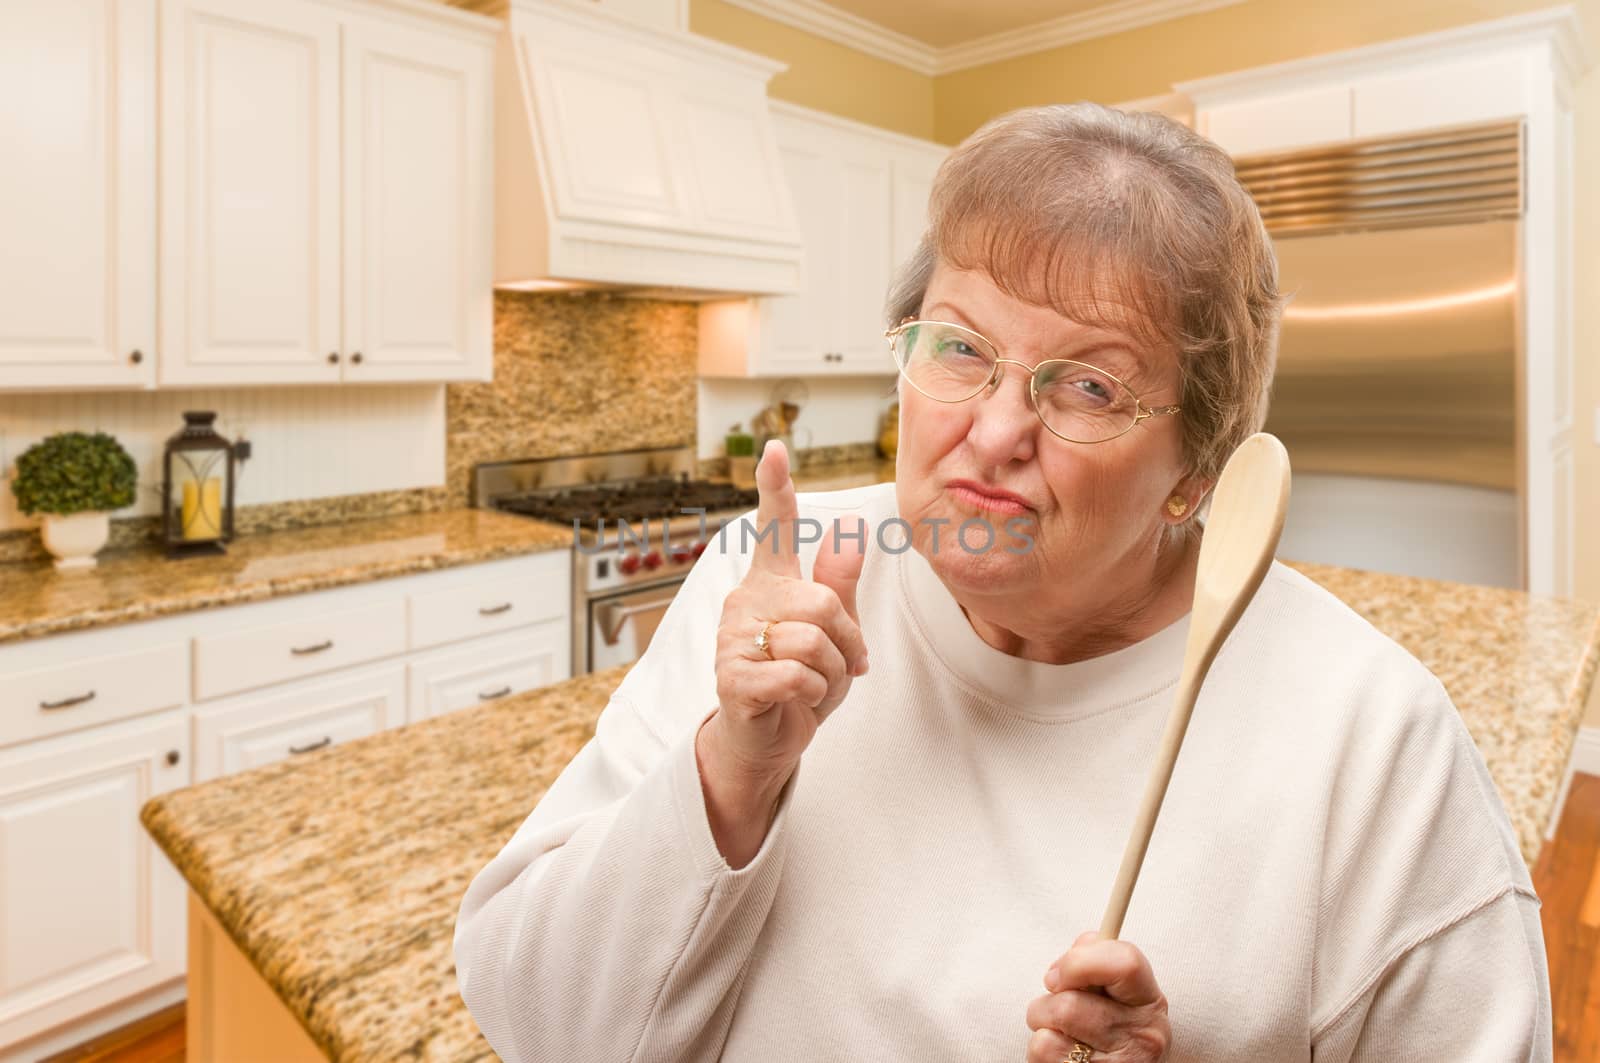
1095, 512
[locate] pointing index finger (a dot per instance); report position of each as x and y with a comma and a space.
775, 514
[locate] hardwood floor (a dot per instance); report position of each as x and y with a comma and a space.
1567, 878
156, 1038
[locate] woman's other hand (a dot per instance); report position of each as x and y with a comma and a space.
1102, 994
770, 708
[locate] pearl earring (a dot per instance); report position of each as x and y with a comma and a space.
1177, 505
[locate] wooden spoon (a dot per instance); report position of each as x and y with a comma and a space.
1241, 535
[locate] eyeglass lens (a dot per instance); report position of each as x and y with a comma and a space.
1075, 400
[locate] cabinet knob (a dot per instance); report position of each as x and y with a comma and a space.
333, 357
356, 358
136, 357
173, 756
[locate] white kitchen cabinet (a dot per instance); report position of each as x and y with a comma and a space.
864, 265
913, 183
249, 192
134, 699
1436, 95
77, 194
861, 199
418, 206
1280, 121
262, 728
245, 192
90, 911
488, 668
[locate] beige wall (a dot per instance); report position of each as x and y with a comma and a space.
824, 75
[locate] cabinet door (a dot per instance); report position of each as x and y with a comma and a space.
797, 332
489, 668
249, 192
866, 224
418, 220
90, 911
293, 720
913, 182
77, 194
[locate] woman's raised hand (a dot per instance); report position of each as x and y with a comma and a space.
1102, 994
770, 704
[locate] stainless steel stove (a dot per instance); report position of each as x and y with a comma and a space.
639, 519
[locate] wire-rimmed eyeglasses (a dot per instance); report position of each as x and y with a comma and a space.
1075, 401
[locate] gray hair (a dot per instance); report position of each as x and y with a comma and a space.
1126, 221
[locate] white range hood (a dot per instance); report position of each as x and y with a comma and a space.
635, 156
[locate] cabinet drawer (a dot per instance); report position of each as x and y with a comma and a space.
486, 669
90, 691
274, 653
258, 729
523, 595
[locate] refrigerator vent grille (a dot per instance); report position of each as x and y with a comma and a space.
1438, 178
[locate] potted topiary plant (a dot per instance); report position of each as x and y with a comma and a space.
75, 479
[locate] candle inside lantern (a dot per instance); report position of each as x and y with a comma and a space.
202, 509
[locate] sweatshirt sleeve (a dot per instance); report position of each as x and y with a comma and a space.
1476, 992
610, 926
1429, 940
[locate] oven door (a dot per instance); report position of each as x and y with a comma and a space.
620, 626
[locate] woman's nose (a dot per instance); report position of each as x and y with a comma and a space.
1004, 426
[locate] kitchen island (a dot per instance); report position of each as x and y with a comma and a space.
337, 877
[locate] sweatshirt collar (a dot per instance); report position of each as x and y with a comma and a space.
1056, 691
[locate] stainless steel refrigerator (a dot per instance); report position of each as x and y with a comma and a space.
1398, 377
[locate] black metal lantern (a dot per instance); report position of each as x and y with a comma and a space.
198, 470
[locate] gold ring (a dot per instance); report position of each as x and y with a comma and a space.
1080, 1053
763, 643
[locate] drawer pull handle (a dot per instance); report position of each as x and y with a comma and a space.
305, 651
326, 740
494, 610
67, 703
490, 695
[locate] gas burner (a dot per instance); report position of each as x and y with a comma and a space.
656, 498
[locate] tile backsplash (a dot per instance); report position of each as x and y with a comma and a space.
575, 373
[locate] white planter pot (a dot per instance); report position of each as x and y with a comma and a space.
75, 539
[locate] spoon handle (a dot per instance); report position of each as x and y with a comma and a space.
1155, 791
1240, 537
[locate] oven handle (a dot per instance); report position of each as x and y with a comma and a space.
613, 614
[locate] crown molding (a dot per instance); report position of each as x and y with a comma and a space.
853, 31
840, 26
1558, 28
1103, 21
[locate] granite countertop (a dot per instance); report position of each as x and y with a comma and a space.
836, 476
339, 874
142, 584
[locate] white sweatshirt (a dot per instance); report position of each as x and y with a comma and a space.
1332, 877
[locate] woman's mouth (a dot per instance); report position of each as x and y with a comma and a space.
987, 498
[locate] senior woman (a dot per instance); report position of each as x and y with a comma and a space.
862, 797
